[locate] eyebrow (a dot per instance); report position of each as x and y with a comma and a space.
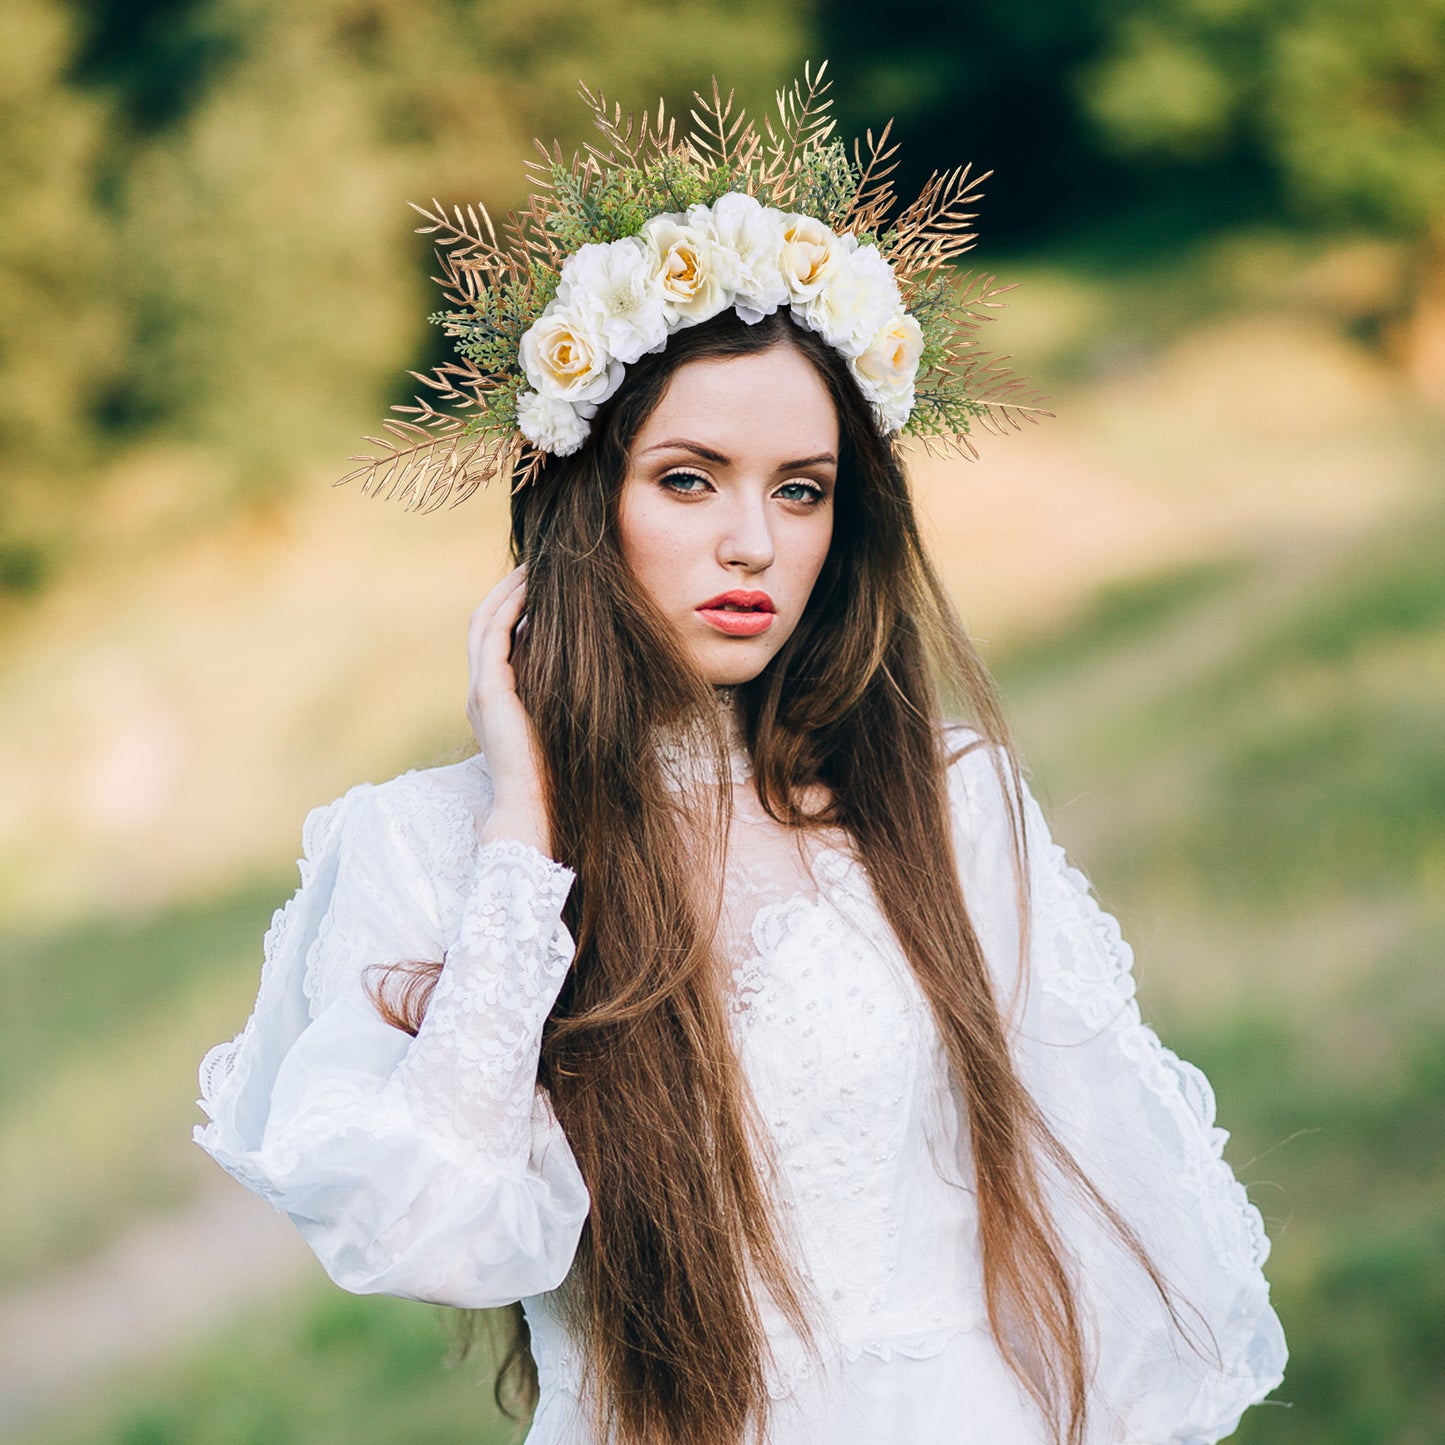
681, 444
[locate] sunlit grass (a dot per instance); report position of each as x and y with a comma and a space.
1350, 1176
318, 1367
102, 1045
70, 987
1293, 726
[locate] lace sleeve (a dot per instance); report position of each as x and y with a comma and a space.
430, 1167
468, 1077
1141, 1123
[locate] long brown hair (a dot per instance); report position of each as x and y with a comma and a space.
637, 1055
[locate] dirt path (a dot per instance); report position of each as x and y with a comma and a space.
168, 1280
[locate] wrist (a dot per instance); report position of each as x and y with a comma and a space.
518, 824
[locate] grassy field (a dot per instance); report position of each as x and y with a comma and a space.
98, 1055
1238, 728
335, 1367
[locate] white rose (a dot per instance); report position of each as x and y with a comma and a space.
891, 358
614, 290
856, 303
887, 370
554, 426
686, 269
892, 412
747, 238
809, 257
566, 360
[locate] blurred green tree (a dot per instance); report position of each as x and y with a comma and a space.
997, 85
1344, 99
59, 323
980, 82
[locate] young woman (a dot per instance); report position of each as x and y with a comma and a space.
731, 1010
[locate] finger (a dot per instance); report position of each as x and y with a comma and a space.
494, 645
482, 614
510, 585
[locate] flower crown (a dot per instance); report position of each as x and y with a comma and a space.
651, 232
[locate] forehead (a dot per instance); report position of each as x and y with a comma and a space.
766, 402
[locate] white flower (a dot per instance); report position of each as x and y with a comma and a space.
686, 269
613, 289
566, 360
747, 241
856, 303
555, 426
887, 370
890, 410
810, 256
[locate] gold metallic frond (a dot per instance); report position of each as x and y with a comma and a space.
874, 199
724, 141
935, 229
804, 123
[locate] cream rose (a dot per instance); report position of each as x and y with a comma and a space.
810, 256
565, 360
554, 426
856, 303
891, 359
888, 368
685, 268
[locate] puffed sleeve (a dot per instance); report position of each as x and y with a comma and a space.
1140, 1122
428, 1167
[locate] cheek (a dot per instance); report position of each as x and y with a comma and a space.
653, 544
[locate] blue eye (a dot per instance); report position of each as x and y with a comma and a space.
675, 481
801, 492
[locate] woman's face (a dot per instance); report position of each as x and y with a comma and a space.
726, 514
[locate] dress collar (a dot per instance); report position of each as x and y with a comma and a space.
686, 749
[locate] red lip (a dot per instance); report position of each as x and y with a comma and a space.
744, 601
738, 613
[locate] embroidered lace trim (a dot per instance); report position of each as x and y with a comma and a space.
220, 1079
1094, 978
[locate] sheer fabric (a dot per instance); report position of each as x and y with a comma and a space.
434, 1167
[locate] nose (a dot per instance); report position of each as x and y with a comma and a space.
747, 538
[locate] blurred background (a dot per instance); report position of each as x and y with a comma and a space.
1213, 589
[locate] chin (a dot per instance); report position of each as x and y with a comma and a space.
730, 671
731, 677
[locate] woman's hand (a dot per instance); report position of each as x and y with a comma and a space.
500, 722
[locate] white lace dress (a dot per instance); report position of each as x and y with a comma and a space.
435, 1169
